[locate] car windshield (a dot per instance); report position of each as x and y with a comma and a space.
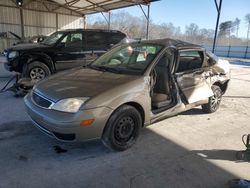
53, 38
128, 59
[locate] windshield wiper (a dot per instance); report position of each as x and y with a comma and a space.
134, 68
92, 67
109, 69
45, 44
104, 69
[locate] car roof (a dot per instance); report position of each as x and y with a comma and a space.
97, 30
178, 44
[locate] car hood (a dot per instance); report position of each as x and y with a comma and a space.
27, 46
80, 83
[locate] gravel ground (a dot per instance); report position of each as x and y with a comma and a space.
189, 150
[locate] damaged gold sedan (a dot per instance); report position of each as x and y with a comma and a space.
129, 87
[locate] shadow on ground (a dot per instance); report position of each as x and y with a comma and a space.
30, 159
228, 155
237, 97
194, 111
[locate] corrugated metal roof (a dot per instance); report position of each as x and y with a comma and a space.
85, 7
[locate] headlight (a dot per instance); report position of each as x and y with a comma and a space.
69, 105
5, 53
12, 55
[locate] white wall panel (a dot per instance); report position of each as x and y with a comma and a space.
63, 11
10, 40
9, 15
70, 22
7, 27
7, 2
35, 22
33, 18
37, 6
31, 31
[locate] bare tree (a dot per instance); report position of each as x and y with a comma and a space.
135, 27
225, 29
192, 29
206, 36
236, 24
163, 30
192, 32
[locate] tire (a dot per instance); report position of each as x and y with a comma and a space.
122, 129
36, 71
214, 101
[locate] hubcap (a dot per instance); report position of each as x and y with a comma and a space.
124, 129
215, 100
37, 73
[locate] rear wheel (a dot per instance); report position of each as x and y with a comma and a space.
37, 71
122, 129
214, 101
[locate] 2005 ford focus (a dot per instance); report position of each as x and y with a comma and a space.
129, 87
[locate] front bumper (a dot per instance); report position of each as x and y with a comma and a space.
8, 67
66, 126
3, 59
10, 64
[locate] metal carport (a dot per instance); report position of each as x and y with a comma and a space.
23, 11
18, 15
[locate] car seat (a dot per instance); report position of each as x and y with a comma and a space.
161, 92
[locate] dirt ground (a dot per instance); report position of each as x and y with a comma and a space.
189, 150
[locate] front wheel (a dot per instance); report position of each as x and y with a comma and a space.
122, 129
214, 101
37, 71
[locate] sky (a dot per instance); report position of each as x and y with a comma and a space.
201, 12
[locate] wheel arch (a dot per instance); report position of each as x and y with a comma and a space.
136, 105
223, 86
41, 57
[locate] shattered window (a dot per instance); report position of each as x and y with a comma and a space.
190, 60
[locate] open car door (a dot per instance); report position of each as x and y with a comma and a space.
191, 76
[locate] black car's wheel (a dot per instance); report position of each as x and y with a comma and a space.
214, 101
123, 128
37, 71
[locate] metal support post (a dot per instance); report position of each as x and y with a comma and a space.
218, 7
84, 22
108, 20
22, 22
57, 26
229, 50
246, 52
147, 16
148, 21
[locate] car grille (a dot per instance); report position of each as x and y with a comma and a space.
41, 101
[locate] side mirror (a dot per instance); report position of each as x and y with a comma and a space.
40, 39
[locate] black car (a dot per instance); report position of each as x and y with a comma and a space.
60, 51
